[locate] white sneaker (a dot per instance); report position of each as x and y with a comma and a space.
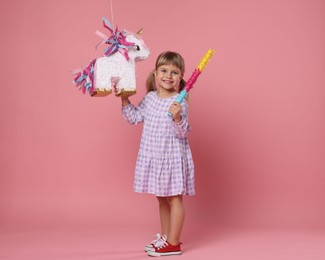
160, 240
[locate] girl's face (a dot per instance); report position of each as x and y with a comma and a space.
168, 77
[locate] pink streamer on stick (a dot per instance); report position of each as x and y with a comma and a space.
192, 80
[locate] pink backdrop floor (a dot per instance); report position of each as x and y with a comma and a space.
123, 242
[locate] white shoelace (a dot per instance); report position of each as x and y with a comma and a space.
158, 237
161, 242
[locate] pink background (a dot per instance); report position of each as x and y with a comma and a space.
257, 114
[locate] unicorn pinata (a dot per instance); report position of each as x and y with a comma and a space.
116, 66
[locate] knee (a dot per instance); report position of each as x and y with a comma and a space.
175, 200
163, 201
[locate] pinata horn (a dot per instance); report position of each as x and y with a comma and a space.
140, 31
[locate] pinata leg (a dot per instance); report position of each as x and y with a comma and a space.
105, 92
122, 92
126, 93
101, 92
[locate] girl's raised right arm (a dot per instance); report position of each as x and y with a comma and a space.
132, 114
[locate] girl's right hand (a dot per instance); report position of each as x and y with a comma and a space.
124, 98
120, 92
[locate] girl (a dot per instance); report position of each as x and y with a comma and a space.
164, 165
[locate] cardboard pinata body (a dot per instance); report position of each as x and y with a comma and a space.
117, 66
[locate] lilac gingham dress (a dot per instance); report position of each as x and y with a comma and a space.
164, 165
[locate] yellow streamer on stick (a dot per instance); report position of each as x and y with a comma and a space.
208, 55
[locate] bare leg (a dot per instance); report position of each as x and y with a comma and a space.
164, 211
177, 216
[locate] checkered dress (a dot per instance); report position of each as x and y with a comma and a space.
164, 165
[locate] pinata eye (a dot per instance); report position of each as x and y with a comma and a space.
136, 47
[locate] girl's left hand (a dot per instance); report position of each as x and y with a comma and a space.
175, 110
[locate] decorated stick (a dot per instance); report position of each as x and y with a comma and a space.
189, 84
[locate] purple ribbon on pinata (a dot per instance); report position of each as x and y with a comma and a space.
117, 41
